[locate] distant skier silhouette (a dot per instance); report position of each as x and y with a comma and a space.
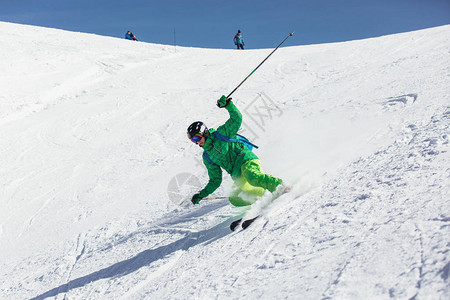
130, 36
239, 40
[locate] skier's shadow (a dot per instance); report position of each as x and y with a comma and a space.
144, 258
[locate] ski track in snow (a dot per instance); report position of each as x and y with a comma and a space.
93, 131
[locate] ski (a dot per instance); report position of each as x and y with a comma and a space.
244, 225
235, 224
248, 222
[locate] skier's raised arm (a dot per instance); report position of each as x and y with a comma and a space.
232, 125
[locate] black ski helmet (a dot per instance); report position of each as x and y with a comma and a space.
197, 128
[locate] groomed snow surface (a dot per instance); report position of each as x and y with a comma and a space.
96, 170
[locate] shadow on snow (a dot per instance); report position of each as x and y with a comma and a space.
144, 258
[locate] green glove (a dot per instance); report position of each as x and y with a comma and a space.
223, 101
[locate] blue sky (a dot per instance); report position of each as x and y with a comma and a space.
212, 24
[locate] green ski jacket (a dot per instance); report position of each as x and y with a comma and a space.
225, 155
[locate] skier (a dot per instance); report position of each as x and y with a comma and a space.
130, 36
232, 156
239, 40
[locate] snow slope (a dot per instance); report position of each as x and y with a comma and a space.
93, 142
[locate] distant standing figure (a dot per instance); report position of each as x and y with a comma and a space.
239, 40
130, 36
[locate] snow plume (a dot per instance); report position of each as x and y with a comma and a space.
97, 173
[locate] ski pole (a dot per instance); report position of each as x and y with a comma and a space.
214, 198
290, 34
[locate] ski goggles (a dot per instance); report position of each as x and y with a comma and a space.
196, 138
